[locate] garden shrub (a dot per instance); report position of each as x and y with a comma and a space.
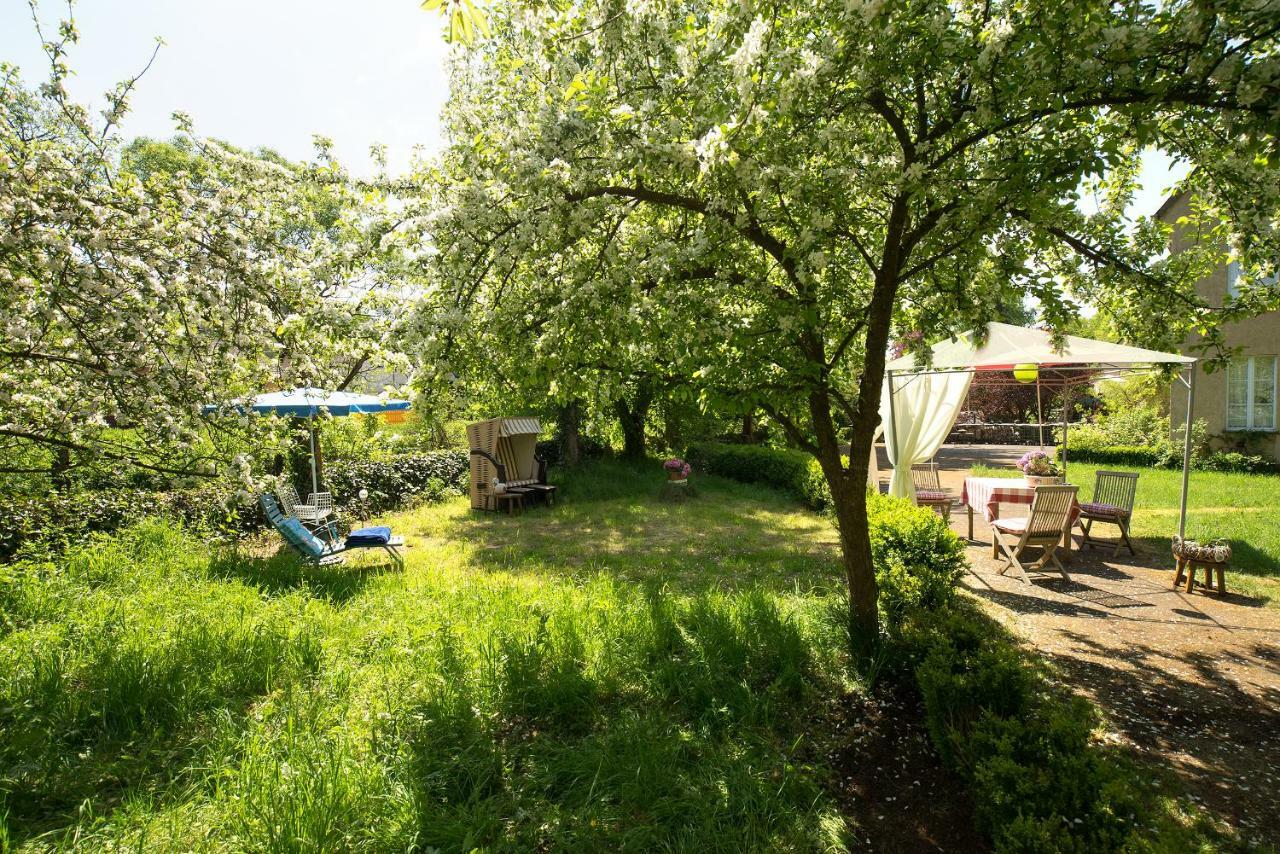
1039, 781
1142, 438
395, 482
918, 559
791, 471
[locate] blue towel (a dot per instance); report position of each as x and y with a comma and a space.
376, 536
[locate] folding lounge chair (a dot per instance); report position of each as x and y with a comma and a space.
322, 553
1051, 511
1113, 497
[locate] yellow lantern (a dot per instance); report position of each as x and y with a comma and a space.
1026, 373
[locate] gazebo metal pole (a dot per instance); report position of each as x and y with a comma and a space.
893, 432
1039, 411
1066, 408
1186, 448
311, 429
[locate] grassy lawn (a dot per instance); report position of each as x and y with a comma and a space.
615, 673
1243, 508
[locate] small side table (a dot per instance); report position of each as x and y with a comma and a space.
1190, 565
513, 500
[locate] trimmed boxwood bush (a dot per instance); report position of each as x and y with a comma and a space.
918, 559
1040, 782
791, 471
1162, 456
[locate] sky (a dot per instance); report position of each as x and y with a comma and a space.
258, 72
275, 72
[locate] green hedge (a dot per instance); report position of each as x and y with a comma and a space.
794, 472
1039, 781
1146, 456
59, 519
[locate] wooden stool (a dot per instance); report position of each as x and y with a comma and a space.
513, 500
1189, 566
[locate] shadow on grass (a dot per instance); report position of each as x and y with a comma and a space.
610, 518
689, 742
284, 573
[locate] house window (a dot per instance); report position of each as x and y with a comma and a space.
1233, 279
1251, 394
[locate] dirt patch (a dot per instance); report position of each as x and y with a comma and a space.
890, 781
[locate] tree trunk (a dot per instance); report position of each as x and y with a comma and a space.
570, 429
632, 419
60, 471
849, 501
749, 428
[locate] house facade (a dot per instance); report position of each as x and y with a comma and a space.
1238, 403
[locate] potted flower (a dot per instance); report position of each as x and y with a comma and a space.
677, 470
1039, 468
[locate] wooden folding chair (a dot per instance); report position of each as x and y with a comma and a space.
1113, 497
929, 491
1045, 528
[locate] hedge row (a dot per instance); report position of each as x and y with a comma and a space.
1145, 456
794, 472
215, 511
1038, 779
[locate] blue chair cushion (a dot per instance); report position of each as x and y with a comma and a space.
301, 537
378, 535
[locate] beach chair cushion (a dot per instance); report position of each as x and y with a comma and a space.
930, 495
377, 535
301, 538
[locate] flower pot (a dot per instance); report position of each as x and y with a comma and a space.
675, 476
1034, 480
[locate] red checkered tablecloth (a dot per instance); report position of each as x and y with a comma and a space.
988, 493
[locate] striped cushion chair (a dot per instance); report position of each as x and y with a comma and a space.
1113, 496
929, 491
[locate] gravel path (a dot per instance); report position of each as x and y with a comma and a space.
1188, 681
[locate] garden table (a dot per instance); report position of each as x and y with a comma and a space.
988, 493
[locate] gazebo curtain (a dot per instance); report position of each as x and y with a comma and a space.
917, 419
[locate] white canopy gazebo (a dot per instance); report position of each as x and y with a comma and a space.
920, 402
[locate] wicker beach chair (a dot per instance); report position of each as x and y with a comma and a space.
504, 451
1045, 527
1113, 497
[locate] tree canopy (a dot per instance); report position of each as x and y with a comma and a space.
139, 282
755, 197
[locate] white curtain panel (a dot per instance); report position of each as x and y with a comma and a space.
926, 407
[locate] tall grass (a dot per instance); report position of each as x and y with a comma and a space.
522, 685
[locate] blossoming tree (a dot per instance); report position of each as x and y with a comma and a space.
136, 287
755, 195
